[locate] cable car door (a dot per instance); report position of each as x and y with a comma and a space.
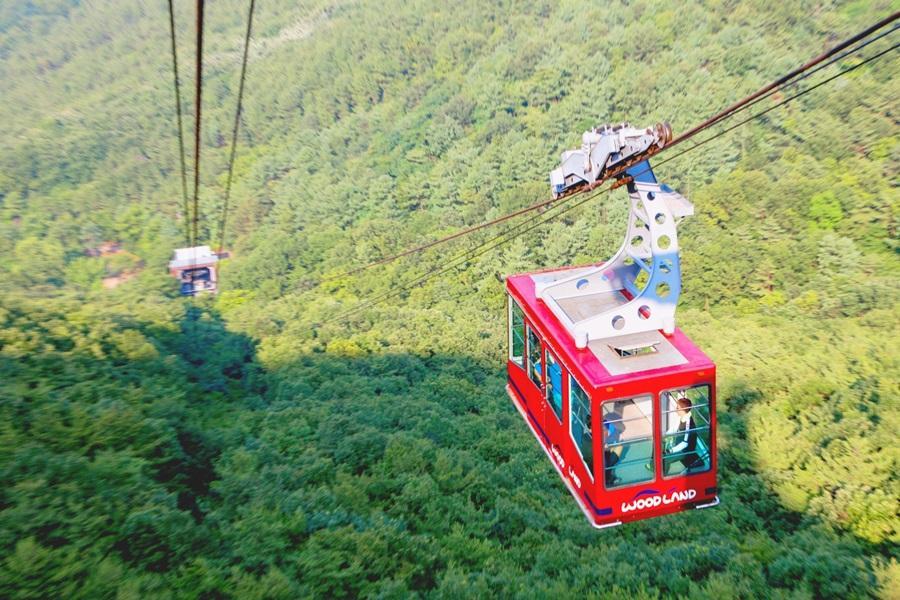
552, 407
535, 367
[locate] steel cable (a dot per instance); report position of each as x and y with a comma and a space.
184, 193
237, 123
488, 246
198, 87
764, 92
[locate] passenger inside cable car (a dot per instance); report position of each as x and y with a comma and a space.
554, 386
632, 442
613, 451
686, 423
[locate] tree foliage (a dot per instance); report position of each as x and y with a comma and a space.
248, 445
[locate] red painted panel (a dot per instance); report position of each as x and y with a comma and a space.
605, 507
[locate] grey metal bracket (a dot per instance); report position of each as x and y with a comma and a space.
615, 299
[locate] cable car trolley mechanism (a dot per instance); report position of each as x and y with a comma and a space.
620, 399
602, 149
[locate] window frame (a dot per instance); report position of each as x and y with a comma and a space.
589, 468
708, 427
653, 440
512, 306
529, 368
548, 356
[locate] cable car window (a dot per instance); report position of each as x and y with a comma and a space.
580, 423
628, 441
534, 357
554, 385
686, 427
516, 334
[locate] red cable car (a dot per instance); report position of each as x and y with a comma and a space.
621, 401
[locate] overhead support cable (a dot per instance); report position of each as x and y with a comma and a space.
184, 193
806, 74
237, 124
784, 79
504, 238
764, 92
458, 261
443, 240
198, 86
781, 103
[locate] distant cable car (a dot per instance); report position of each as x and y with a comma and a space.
195, 268
621, 401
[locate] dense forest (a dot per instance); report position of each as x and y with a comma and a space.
252, 445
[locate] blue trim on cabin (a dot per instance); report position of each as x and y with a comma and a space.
527, 410
647, 492
642, 172
599, 511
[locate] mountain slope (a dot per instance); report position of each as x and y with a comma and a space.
153, 446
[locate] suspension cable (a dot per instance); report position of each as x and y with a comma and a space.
779, 104
237, 124
184, 194
198, 86
804, 75
458, 261
784, 79
488, 246
746, 102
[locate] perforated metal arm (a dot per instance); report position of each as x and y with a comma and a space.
623, 301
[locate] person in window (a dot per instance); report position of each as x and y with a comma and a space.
611, 455
554, 386
536, 370
581, 431
682, 435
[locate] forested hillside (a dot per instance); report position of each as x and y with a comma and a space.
252, 445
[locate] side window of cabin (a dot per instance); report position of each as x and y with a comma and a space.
686, 430
628, 441
516, 334
580, 423
554, 390
534, 357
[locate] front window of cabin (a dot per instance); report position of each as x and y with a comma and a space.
534, 357
686, 430
516, 334
580, 423
554, 385
628, 441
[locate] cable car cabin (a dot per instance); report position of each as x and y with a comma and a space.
195, 268
628, 422
622, 402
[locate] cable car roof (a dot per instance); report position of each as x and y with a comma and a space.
189, 257
600, 364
